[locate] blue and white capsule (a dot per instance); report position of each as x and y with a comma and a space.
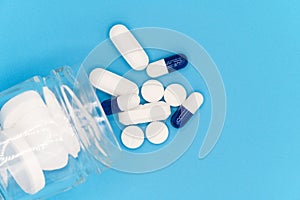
188, 108
167, 65
120, 103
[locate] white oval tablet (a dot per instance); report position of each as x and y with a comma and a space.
132, 137
175, 95
148, 112
152, 90
112, 83
157, 132
129, 47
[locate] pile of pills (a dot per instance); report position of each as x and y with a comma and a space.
126, 100
39, 137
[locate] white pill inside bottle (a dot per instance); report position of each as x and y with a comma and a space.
21, 162
112, 83
148, 112
70, 140
129, 47
16, 107
32, 117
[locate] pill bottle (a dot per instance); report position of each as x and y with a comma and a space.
53, 134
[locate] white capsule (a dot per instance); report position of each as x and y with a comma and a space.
149, 112
132, 137
175, 94
22, 163
129, 47
112, 83
152, 90
69, 138
157, 132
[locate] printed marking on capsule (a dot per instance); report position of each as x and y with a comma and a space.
148, 112
189, 107
129, 47
167, 65
120, 103
112, 83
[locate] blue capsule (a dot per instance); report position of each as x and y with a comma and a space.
120, 103
176, 62
188, 108
181, 117
110, 106
167, 65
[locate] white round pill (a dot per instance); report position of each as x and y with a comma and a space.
157, 132
132, 137
152, 90
175, 95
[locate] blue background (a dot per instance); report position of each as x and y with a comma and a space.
257, 49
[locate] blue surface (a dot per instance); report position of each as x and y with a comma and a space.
257, 49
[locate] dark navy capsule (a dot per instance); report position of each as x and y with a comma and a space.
188, 108
110, 106
167, 65
120, 103
181, 117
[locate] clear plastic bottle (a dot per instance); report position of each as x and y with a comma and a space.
53, 134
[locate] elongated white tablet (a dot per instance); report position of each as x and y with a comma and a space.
70, 140
129, 47
175, 95
152, 90
157, 132
148, 112
132, 137
112, 83
23, 164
